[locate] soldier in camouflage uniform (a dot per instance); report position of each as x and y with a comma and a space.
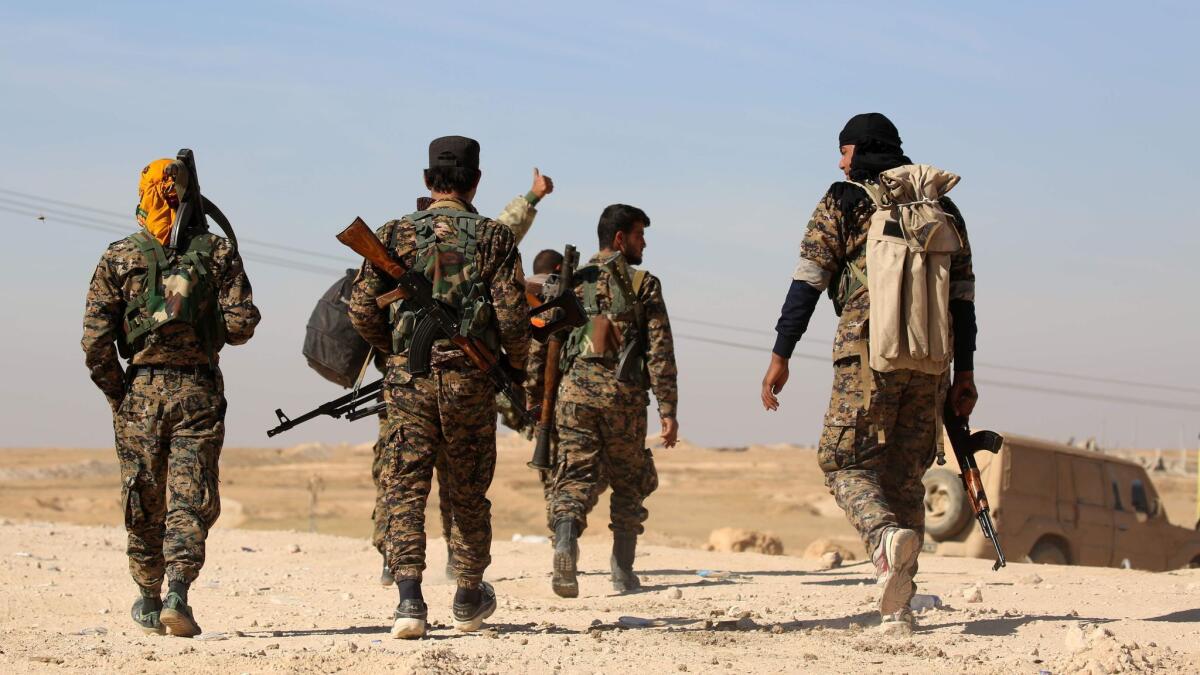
600, 415
476, 268
169, 312
518, 216
882, 429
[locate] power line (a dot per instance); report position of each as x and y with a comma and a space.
248, 255
1156, 403
124, 218
996, 366
90, 222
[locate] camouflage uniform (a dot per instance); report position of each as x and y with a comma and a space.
169, 410
882, 429
518, 216
451, 410
601, 423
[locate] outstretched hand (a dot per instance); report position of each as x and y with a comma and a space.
773, 381
542, 185
670, 431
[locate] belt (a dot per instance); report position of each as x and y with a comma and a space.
196, 370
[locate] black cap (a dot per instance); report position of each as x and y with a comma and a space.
457, 151
870, 127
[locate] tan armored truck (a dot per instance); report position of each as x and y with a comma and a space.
1060, 505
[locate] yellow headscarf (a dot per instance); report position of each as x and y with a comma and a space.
157, 200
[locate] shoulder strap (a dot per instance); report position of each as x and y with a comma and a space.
873, 191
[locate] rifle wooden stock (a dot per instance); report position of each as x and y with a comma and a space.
363, 241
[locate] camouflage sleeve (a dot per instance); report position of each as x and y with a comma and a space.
962, 273
368, 318
660, 352
236, 299
821, 251
102, 316
502, 267
518, 216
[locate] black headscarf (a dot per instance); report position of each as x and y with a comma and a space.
876, 145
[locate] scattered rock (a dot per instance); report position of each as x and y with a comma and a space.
294, 548
349, 647
94, 630
674, 593
817, 549
347, 596
973, 594
490, 633
831, 560
729, 539
777, 629
1031, 579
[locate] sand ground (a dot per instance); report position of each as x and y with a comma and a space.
65, 598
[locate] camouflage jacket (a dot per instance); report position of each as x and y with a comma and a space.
500, 266
518, 216
835, 238
120, 278
594, 383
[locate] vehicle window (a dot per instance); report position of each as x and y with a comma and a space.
1117, 497
1089, 482
1141, 503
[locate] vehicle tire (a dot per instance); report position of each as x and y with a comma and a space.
1049, 551
946, 507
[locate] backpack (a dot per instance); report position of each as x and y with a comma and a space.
910, 239
452, 269
179, 291
621, 340
331, 345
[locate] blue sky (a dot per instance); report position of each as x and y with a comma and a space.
1072, 125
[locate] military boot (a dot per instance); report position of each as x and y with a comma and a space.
145, 613
623, 578
566, 554
472, 606
895, 562
177, 616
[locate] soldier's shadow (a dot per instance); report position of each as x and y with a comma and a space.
1007, 625
350, 630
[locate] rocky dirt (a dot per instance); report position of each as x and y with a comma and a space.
301, 602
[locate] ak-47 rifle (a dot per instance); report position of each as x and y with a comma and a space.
965, 445
436, 320
572, 314
347, 405
193, 206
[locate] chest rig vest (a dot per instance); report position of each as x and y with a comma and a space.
175, 290
452, 267
616, 335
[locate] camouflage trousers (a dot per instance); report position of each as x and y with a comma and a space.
598, 448
450, 412
874, 455
379, 522
169, 430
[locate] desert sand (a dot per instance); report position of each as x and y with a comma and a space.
276, 597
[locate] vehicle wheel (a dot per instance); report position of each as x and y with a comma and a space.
1195, 563
1049, 551
946, 508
